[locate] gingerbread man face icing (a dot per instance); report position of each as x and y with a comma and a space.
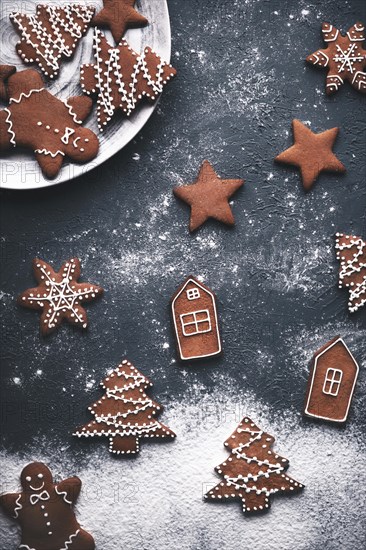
50, 127
44, 511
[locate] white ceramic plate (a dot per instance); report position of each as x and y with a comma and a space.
18, 169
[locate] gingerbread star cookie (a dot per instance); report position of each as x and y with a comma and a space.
208, 197
59, 295
351, 252
125, 414
119, 15
44, 510
344, 57
311, 153
121, 78
48, 126
253, 472
51, 34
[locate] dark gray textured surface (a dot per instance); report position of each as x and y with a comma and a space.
242, 78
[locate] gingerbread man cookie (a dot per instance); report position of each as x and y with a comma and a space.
5, 72
44, 511
50, 127
59, 295
51, 34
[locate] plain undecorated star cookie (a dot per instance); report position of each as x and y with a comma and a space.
208, 197
48, 126
351, 252
125, 414
253, 472
51, 34
120, 78
59, 295
44, 510
119, 15
311, 153
344, 57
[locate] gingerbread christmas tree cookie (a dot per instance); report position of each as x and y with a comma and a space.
125, 414
44, 511
59, 295
48, 126
253, 472
344, 57
51, 34
351, 252
121, 78
311, 153
119, 15
208, 197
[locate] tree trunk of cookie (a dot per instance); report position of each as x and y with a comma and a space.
126, 444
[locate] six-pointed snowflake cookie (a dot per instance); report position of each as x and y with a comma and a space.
44, 511
253, 472
351, 252
344, 57
59, 295
51, 34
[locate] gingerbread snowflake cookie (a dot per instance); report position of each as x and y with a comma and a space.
121, 78
119, 15
59, 295
44, 511
51, 34
252, 473
125, 414
351, 252
344, 57
48, 126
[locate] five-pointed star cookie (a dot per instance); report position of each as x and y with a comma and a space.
119, 15
311, 153
208, 197
344, 57
58, 295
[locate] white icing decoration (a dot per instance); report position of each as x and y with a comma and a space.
25, 96
10, 129
49, 47
34, 499
18, 506
347, 58
357, 291
68, 133
66, 543
46, 152
63, 494
72, 113
61, 296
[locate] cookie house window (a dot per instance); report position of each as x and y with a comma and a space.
193, 294
332, 382
197, 322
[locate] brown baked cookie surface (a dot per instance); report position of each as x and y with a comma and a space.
118, 16
51, 34
121, 78
208, 197
195, 321
44, 511
48, 126
331, 382
125, 414
311, 153
351, 252
344, 57
253, 472
59, 295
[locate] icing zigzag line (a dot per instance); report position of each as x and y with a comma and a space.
68, 542
25, 96
17, 507
72, 113
63, 494
45, 152
10, 129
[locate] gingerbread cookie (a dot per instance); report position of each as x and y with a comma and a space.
119, 15
44, 511
51, 127
253, 472
5, 72
59, 295
195, 320
121, 78
208, 197
351, 252
125, 414
331, 382
51, 34
344, 57
311, 153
